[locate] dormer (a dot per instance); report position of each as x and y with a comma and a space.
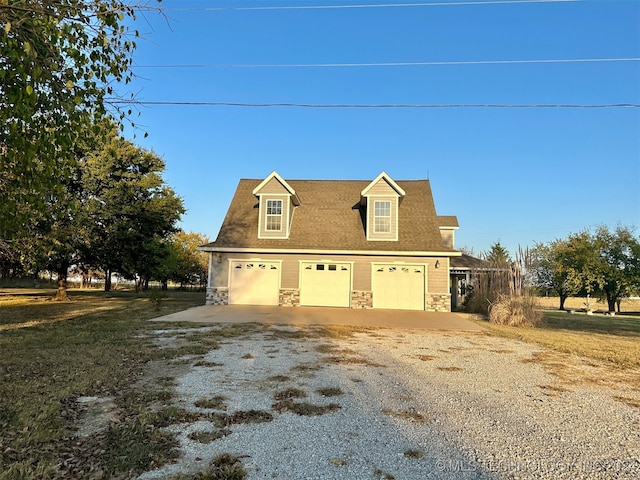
448, 226
276, 203
381, 200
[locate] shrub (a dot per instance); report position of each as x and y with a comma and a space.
515, 311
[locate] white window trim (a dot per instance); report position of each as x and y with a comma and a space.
375, 217
391, 236
262, 217
267, 215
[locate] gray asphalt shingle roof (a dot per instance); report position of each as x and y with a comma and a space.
330, 218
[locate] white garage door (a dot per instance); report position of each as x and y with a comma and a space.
325, 284
398, 286
254, 283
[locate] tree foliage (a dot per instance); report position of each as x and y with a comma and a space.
60, 60
114, 213
604, 263
191, 266
130, 211
498, 255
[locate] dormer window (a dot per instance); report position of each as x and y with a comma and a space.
382, 216
274, 215
276, 204
381, 201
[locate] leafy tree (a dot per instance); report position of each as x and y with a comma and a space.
605, 264
619, 264
557, 266
191, 265
59, 62
131, 211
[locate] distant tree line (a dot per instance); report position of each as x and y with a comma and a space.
114, 215
603, 263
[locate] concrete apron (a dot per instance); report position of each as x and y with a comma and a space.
207, 314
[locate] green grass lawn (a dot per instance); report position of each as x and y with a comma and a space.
53, 351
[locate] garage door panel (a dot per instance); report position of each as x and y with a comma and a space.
325, 284
398, 287
254, 283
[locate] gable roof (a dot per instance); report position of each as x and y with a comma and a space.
330, 218
383, 176
271, 176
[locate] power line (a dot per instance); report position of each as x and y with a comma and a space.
392, 64
373, 5
375, 106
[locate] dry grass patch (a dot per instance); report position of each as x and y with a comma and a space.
615, 340
575, 370
414, 453
330, 391
279, 378
410, 415
425, 358
553, 390
204, 363
289, 393
382, 475
249, 416
223, 467
213, 403
304, 408
632, 402
208, 436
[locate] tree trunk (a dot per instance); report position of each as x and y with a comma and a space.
562, 300
61, 294
107, 280
611, 301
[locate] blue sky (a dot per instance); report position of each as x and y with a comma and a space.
514, 175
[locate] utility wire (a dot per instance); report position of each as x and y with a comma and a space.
391, 64
373, 106
381, 5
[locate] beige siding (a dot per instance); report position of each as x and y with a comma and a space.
273, 186
437, 279
381, 188
447, 238
286, 215
219, 272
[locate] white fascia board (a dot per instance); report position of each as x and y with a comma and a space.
389, 180
282, 181
377, 253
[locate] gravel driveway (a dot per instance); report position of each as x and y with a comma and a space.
319, 403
